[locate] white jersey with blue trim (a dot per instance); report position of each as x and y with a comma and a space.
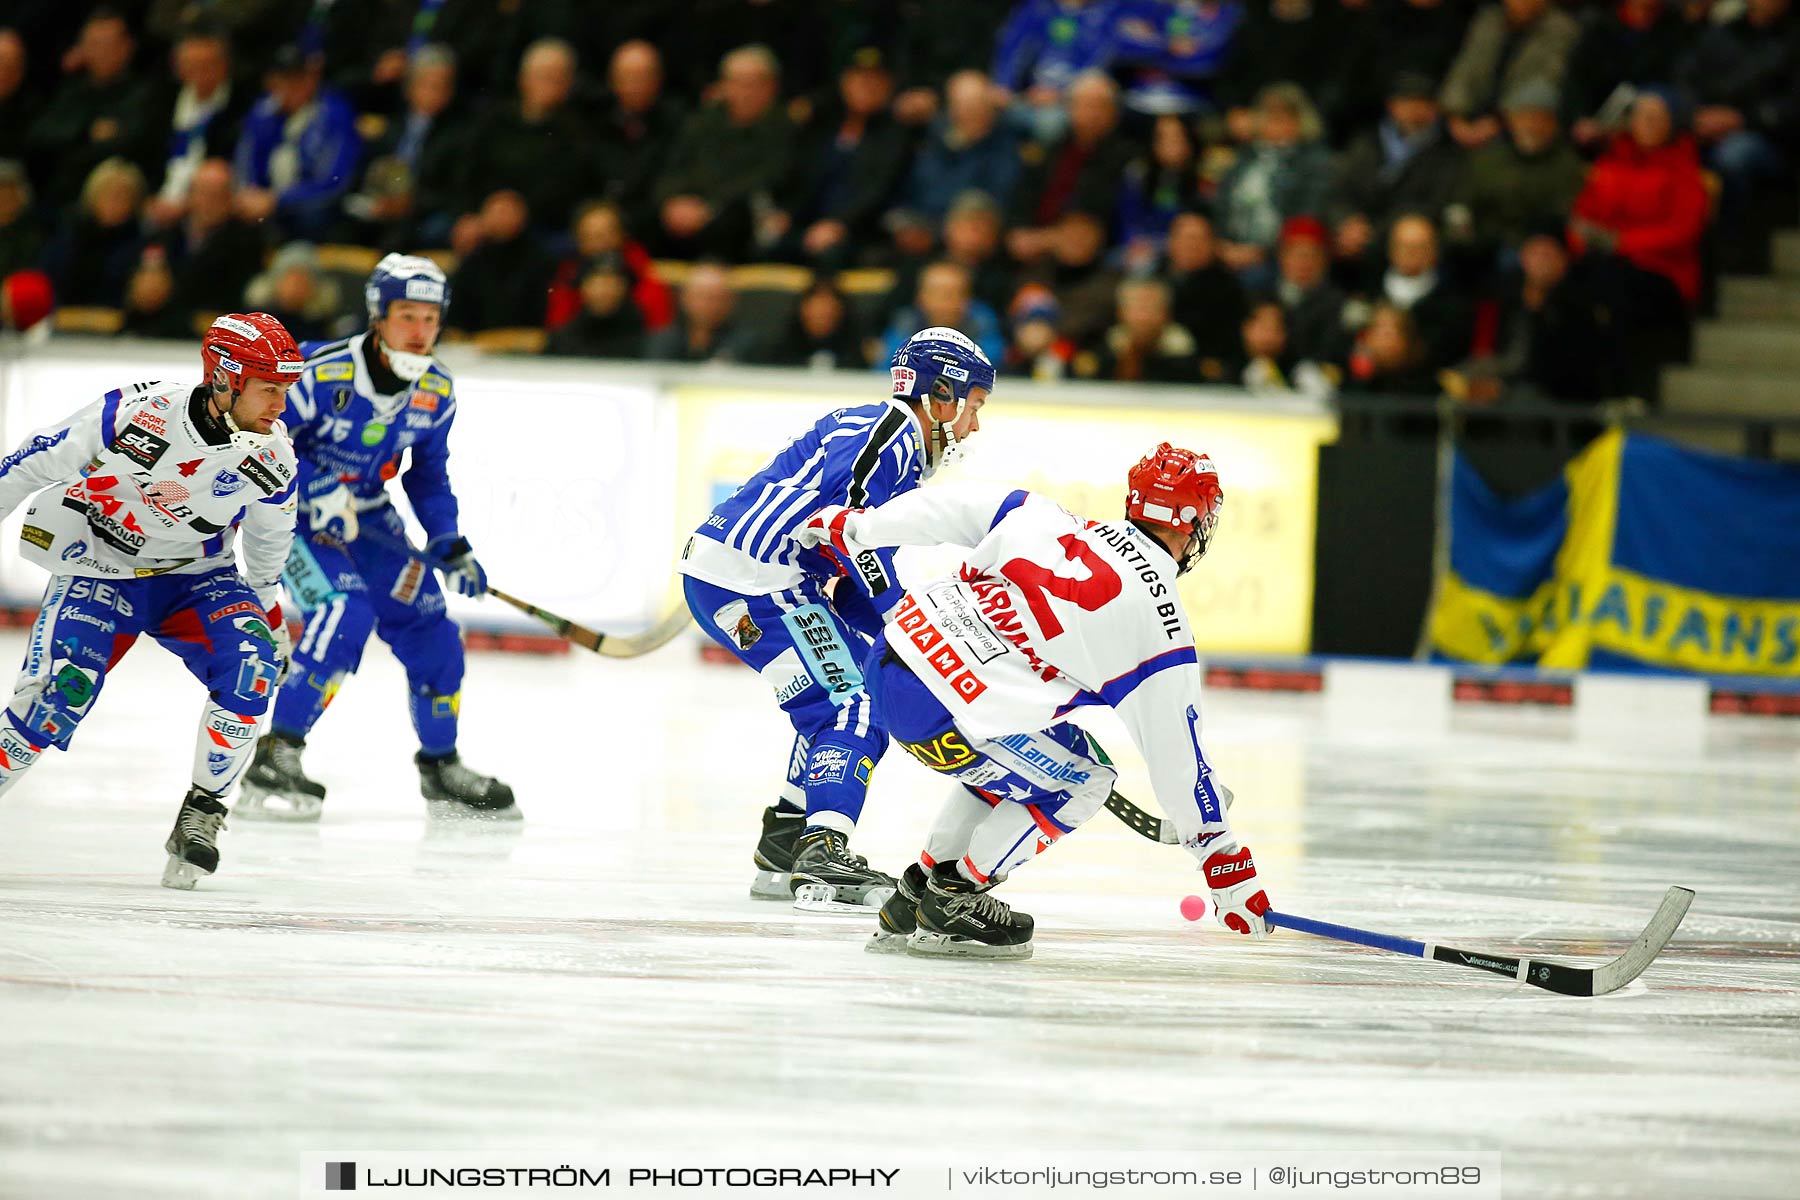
148, 483
855, 457
1049, 613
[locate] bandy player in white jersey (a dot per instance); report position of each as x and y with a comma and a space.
976, 675
149, 488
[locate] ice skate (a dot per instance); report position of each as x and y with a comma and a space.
828, 878
276, 787
898, 917
454, 792
775, 854
960, 919
193, 844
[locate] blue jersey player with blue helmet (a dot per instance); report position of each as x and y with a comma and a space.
803, 620
364, 406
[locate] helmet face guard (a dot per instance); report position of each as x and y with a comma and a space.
1177, 489
936, 367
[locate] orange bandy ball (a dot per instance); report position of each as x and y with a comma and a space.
1193, 908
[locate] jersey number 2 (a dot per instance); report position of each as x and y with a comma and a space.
1100, 588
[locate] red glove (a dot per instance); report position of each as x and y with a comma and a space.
825, 529
1238, 900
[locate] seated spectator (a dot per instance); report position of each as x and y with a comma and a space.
1205, 298
411, 191
1086, 285
21, 241
1508, 44
599, 232
1555, 338
1513, 184
1313, 305
202, 119
294, 291
1145, 346
1037, 350
1442, 318
1407, 163
1080, 170
820, 335
1632, 43
1389, 357
1640, 220
503, 283
967, 149
1042, 49
637, 125
297, 156
729, 157
18, 103
535, 145
150, 307
945, 297
703, 330
1265, 363
1158, 185
94, 255
608, 324
26, 298
971, 237
212, 253
1741, 75
101, 112
850, 158
1285, 172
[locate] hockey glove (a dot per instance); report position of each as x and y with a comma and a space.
457, 561
1238, 899
330, 509
825, 530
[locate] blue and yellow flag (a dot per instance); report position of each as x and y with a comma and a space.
1643, 556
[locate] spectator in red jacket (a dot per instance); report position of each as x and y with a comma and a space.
599, 232
1645, 200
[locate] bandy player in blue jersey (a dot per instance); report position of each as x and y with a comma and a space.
364, 406
774, 603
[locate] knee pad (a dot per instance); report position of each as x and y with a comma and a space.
46, 712
332, 642
254, 685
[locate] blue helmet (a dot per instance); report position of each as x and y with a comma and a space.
405, 277
941, 363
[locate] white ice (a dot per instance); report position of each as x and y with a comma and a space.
598, 978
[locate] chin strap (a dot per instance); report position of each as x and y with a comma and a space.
941, 447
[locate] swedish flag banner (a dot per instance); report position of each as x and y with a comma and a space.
1644, 555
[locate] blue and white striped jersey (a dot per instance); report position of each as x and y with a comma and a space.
859, 457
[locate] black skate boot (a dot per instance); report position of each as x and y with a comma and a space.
775, 854
193, 844
899, 916
276, 787
454, 791
963, 919
829, 879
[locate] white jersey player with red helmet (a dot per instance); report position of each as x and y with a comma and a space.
976, 675
148, 493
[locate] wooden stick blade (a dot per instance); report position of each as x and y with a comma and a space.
654, 638
1629, 965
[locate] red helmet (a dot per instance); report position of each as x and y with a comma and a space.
250, 346
1178, 490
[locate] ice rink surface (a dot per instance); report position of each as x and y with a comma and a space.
598, 979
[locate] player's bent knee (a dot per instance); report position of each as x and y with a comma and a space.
47, 711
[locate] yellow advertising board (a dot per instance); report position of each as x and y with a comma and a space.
1253, 592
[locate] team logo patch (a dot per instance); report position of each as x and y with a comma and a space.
226, 482
218, 762
828, 764
340, 399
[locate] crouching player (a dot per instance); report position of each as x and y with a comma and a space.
976, 675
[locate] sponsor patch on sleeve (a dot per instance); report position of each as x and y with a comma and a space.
333, 371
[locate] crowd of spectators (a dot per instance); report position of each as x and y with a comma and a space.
1382, 196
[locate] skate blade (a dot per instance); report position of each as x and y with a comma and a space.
883, 942
771, 885
822, 899
451, 810
181, 874
940, 945
276, 807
